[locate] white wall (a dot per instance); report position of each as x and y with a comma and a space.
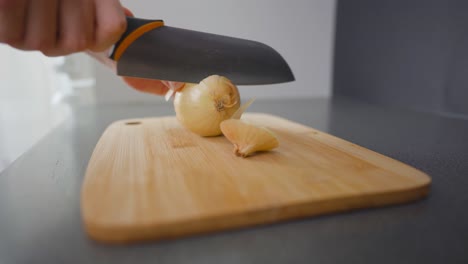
28, 83
301, 30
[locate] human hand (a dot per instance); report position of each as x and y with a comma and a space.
157, 87
61, 27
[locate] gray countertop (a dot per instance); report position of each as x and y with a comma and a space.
39, 196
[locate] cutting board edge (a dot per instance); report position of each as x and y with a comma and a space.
388, 163
417, 190
192, 227
356, 150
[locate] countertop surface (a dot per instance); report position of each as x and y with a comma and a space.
39, 196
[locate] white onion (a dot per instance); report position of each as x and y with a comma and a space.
202, 107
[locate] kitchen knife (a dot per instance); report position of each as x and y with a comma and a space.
149, 49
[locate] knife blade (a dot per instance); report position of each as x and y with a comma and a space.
149, 49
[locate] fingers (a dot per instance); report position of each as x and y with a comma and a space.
12, 16
40, 26
75, 27
147, 85
128, 12
110, 24
61, 27
58, 27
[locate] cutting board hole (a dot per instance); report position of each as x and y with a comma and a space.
133, 123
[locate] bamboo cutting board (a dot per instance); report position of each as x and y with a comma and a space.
152, 179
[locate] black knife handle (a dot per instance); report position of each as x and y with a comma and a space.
135, 28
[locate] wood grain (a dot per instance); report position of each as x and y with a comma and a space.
151, 179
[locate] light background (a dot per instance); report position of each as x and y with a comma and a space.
35, 90
301, 30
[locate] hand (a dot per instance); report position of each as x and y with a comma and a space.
61, 27
152, 86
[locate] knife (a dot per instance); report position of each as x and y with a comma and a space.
150, 49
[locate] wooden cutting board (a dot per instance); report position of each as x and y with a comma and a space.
152, 179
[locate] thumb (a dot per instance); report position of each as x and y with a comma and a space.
128, 12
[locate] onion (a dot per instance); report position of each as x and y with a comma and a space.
248, 138
202, 107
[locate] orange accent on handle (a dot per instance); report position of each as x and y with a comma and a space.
134, 36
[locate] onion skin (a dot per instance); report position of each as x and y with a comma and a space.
202, 107
248, 138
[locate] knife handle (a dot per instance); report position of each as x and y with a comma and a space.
136, 27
